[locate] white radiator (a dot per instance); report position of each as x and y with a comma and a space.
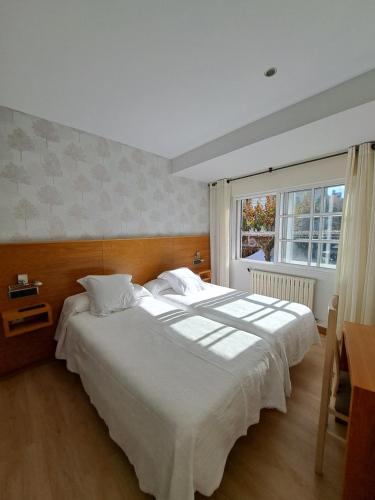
283, 286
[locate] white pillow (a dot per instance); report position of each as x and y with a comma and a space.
108, 293
157, 286
183, 280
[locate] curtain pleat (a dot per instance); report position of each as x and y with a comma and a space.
355, 274
219, 232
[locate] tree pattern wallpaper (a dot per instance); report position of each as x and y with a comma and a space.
58, 183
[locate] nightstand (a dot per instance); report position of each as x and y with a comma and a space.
26, 319
205, 275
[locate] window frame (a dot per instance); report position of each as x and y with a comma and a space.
236, 226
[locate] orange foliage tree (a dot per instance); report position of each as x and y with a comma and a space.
261, 218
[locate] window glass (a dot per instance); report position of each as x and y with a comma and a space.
316, 227
331, 227
295, 228
301, 228
314, 254
333, 199
295, 252
258, 220
259, 214
260, 248
308, 232
329, 255
318, 200
299, 202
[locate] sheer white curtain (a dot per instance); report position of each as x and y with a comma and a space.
355, 275
219, 231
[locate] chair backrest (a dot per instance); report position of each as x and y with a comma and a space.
331, 354
332, 312
332, 347
332, 342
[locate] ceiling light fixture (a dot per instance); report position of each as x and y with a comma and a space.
270, 72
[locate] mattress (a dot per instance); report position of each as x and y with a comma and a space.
290, 328
176, 390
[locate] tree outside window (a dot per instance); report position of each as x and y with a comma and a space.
258, 228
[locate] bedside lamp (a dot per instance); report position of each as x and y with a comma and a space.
197, 258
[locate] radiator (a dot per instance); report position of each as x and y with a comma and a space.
283, 286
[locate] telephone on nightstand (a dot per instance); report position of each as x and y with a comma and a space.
23, 288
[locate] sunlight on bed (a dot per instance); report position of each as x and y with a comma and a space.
242, 309
263, 299
224, 341
274, 321
268, 319
299, 309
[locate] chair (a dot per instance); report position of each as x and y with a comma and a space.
335, 386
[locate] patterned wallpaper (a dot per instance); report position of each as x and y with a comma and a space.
57, 182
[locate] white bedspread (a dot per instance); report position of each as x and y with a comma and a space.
289, 327
175, 390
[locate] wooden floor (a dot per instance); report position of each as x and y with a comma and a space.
53, 445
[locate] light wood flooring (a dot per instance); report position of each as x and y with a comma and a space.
53, 445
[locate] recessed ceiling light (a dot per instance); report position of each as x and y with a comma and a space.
270, 72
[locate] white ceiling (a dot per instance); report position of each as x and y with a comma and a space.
170, 75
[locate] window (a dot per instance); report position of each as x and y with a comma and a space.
258, 217
308, 229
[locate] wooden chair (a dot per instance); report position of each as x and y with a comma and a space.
331, 384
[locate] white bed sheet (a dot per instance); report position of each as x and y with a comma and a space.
289, 327
175, 390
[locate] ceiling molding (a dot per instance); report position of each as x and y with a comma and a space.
352, 93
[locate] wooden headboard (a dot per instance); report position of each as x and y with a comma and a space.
59, 264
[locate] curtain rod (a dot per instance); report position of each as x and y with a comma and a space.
271, 169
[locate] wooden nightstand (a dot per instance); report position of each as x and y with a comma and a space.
26, 319
205, 275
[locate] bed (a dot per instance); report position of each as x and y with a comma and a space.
176, 390
290, 328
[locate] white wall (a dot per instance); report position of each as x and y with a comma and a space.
322, 171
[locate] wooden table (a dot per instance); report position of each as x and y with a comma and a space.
358, 354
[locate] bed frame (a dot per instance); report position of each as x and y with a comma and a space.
59, 264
